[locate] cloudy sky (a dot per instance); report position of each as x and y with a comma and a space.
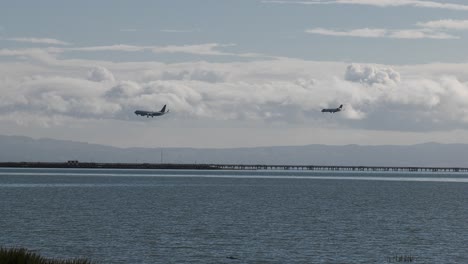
235, 73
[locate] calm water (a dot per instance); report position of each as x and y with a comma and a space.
132, 216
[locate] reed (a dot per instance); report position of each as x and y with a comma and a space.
25, 256
401, 258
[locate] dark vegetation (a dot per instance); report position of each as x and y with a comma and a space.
401, 258
24, 256
94, 165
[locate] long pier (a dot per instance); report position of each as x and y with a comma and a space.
341, 168
94, 165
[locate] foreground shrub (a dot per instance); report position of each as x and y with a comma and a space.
24, 256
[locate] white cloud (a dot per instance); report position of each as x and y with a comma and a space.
207, 49
282, 91
197, 74
379, 3
42, 55
428, 30
62, 96
370, 74
49, 41
123, 89
202, 49
445, 24
363, 32
99, 74
383, 33
419, 34
117, 47
414, 3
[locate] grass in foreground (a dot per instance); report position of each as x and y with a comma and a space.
24, 256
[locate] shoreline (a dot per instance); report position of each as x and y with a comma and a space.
96, 165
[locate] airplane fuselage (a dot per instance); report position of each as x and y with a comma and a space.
149, 113
332, 110
152, 113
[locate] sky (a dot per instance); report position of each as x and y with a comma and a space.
241, 73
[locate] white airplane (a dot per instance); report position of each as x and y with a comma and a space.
332, 110
152, 113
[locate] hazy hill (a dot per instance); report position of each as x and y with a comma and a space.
16, 148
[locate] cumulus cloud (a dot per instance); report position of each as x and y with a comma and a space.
284, 90
305, 82
100, 74
371, 75
124, 89
195, 74
353, 114
60, 96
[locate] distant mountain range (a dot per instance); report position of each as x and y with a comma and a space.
18, 148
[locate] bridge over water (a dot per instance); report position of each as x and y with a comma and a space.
94, 165
338, 168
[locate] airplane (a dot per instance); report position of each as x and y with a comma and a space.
151, 113
332, 110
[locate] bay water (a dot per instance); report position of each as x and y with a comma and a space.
193, 216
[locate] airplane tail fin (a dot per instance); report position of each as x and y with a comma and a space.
341, 106
163, 109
